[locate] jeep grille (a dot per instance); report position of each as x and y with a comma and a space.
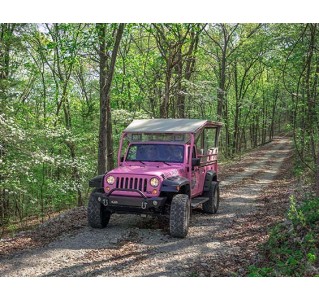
131, 183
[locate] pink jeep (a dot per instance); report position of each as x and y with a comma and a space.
167, 167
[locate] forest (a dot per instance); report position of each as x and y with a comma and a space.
67, 90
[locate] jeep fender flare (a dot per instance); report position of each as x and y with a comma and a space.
97, 181
176, 184
210, 176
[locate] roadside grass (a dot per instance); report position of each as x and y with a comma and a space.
293, 246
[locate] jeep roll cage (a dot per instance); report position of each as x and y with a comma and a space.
187, 130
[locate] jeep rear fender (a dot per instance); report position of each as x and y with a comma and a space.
176, 184
210, 176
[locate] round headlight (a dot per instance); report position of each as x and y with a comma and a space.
154, 182
110, 180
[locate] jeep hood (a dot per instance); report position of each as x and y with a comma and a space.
163, 171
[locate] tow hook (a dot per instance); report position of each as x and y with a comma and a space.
144, 204
104, 201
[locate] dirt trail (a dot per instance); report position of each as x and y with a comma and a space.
136, 246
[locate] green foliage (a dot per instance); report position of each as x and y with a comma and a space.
50, 106
293, 246
260, 272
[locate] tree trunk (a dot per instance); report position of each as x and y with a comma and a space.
6, 37
189, 62
273, 115
180, 96
165, 102
105, 151
317, 175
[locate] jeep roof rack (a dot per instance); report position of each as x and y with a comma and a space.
169, 125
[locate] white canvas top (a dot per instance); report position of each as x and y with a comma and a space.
167, 125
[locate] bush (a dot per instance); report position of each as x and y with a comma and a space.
293, 246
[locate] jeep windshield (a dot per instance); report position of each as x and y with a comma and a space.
156, 153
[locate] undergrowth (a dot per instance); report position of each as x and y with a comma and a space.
293, 245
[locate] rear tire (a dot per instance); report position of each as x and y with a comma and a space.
179, 216
211, 206
98, 216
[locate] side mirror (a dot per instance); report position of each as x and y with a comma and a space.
195, 162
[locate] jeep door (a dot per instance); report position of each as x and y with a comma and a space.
198, 177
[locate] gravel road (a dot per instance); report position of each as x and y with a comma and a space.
136, 246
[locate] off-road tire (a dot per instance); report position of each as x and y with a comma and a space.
98, 216
179, 216
211, 206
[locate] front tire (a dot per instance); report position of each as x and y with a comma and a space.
179, 216
98, 216
211, 206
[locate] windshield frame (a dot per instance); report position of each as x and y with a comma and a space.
164, 158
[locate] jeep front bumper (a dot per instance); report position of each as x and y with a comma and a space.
130, 204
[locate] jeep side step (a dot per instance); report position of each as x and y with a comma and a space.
198, 201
